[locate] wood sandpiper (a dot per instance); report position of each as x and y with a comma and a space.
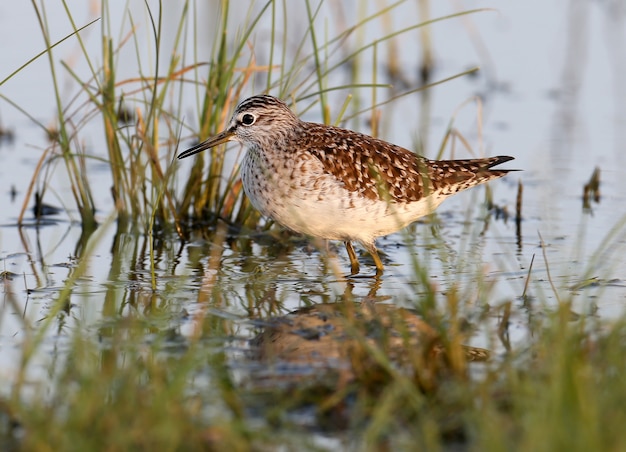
337, 184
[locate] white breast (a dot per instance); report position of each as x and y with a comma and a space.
305, 199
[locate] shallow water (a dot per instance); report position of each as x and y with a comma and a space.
551, 99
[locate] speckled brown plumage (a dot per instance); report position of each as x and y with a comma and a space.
377, 169
335, 183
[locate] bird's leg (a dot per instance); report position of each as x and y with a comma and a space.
371, 248
354, 261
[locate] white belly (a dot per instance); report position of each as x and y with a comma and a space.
305, 199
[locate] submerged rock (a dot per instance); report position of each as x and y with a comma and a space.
356, 339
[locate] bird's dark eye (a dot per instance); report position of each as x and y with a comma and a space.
248, 119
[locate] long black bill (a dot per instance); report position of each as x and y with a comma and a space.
220, 138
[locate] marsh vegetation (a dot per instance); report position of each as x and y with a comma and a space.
153, 308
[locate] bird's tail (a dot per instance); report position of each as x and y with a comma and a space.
457, 175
